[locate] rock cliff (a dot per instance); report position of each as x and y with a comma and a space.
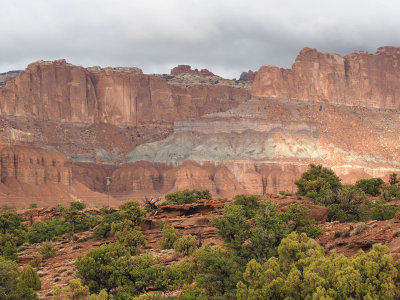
358, 79
121, 96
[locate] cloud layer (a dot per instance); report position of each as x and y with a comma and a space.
227, 37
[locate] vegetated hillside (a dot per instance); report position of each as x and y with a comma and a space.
192, 247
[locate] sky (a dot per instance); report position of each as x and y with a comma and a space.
226, 37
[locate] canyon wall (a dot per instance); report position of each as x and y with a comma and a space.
358, 79
121, 96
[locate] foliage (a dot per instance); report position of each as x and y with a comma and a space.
128, 235
169, 236
11, 286
302, 271
35, 262
370, 186
347, 203
126, 230
98, 268
254, 229
77, 205
12, 234
45, 231
381, 211
47, 249
188, 196
317, 181
215, 271
185, 245
31, 278
108, 217
194, 293
32, 205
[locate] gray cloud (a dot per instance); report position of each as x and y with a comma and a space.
227, 37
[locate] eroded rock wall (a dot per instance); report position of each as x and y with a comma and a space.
358, 79
120, 96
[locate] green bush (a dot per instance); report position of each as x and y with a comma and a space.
76, 205
188, 196
45, 231
302, 271
370, 186
317, 181
381, 211
31, 278
11, 286
32, 205
185, 245
35, 262
194, 293
215, 271
47, 249
169, 236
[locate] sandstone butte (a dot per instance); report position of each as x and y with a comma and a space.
64, 128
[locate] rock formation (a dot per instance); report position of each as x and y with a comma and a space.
161, 133
358, 79
121, 96
249, 75
186, 69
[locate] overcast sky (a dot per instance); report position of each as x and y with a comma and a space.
226, 37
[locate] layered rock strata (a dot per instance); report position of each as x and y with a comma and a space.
359, 79
121, 96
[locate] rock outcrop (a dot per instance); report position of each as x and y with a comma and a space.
249, 75
186, 69
358, 79
33, 166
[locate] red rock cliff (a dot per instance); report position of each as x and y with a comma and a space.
357, 79
120, 96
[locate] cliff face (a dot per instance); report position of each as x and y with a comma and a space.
33, 166
357, 79
120, 96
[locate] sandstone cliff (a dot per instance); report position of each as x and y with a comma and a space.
358, 79
121, 96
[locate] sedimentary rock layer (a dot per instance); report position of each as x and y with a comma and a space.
358, 79
120, 96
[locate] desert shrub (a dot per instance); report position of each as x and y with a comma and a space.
47, 249
185, 245
35, 262
126, 230
169, 236
215, 271
12, 234
128, 235
370, 186
194, 293
255, 229
175, 275
32, 205
317, 181
11, 285
148, 296
76, 205
381, 211
31, 278
359, 229
45, 231
188, 196
302, 271
111, 266
108, 217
